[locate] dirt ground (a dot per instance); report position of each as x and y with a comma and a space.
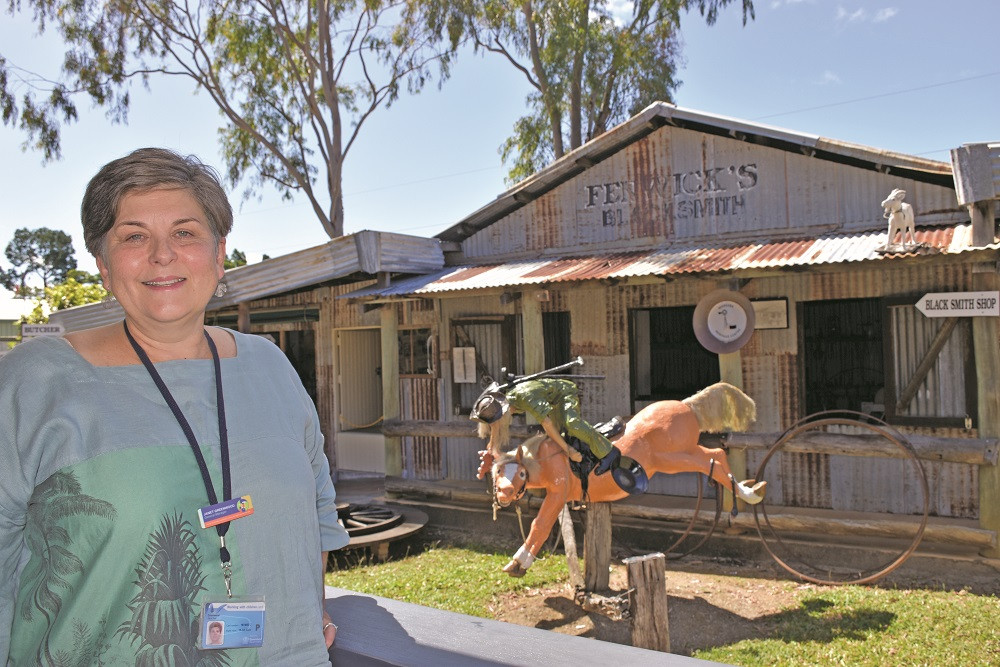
711, 602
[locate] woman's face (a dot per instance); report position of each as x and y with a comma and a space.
161, 260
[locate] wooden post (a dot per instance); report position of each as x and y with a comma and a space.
243, 317
731, 371
986, 342
531, 332
597, 547
390, 386
647, 585
569, 542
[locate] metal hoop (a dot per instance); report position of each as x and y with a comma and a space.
854, 419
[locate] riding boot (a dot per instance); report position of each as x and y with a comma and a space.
609, 461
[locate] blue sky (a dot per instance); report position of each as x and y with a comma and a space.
915, 76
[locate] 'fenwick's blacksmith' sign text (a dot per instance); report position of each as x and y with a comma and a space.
960, 304
700, 193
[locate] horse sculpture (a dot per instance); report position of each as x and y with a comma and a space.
662, 437
900, 216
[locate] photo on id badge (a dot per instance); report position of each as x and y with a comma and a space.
235, 623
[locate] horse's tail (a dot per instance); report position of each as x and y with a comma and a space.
722, 407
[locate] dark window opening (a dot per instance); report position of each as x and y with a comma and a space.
416, 356
556, 338
843, 354
300, 348
667, 361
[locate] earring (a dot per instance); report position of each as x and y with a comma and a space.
221, 289
108, 302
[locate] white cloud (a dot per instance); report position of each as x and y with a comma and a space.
621, 10
861, 15
851, 17
828, 78
885, 14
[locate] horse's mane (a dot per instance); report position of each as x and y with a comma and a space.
529, 455
722, 407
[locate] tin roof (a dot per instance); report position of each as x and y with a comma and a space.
658, 115
677, 261
363, 253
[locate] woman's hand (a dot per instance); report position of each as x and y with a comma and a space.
329, 630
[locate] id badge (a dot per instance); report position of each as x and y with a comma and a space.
227, 510
233, 623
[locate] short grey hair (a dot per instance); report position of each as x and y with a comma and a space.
148, 169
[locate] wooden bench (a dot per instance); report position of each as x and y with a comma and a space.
373, 630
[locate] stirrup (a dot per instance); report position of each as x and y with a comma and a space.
630, 476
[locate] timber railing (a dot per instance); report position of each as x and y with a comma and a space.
973, 451
377, 631
970, 451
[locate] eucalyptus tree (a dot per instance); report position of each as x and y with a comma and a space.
294, 80
46, 253
590, 63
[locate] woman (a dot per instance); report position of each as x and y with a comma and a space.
117, 441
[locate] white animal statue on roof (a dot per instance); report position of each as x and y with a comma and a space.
900, 216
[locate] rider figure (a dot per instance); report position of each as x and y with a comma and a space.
555, 404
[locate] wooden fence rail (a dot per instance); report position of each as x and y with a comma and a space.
973, 451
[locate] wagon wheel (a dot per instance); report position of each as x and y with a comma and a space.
367, 519
668, 552
826, 575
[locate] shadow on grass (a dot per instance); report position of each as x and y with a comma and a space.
696, 624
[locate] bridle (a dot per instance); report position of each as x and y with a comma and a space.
513, 471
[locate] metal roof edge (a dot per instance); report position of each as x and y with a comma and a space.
361, 252
779, 254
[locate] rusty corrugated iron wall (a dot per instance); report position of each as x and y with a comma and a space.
421, 455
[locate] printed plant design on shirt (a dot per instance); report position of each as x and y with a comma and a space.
164, 615
57, 498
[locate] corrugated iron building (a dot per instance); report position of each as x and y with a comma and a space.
607, 253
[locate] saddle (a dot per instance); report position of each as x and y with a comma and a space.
628, 481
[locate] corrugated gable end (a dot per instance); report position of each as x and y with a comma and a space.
644, 161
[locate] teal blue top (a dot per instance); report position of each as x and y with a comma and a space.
102, 557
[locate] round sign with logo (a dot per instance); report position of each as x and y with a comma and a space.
723, 321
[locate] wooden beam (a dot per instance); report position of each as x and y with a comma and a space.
974, 451
390, 386
926, 364
986, 345
243, 317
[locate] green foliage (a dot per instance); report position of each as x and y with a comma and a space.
79, 289
294, 81
43, 252
236, 258
591, 65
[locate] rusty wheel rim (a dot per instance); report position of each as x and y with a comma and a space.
853, 419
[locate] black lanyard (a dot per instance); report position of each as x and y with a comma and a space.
186, 427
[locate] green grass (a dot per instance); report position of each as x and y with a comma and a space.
850, 625
855, 625
460, 579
